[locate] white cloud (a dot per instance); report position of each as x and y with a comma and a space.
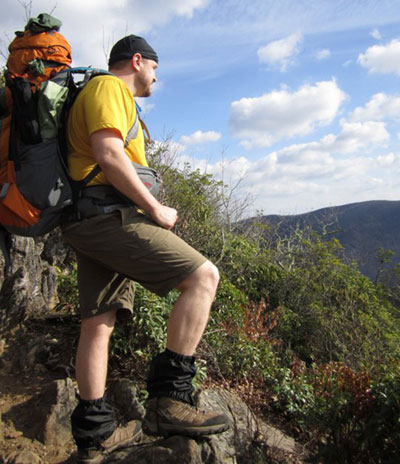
180, 7
156, 12
323, 54
337, 169
376, 34
382, 59
356, 136
100, 23
281, 53
200, 137
261, 121
380, 107
387, 160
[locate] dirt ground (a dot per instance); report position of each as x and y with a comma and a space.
18, 429
27, 367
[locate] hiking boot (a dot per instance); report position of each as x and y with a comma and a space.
168, 416
122, 437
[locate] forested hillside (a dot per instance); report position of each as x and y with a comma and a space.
363, 229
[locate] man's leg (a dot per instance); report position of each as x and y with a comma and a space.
92, 355
160, 261
93, 421
170, 408
191, 310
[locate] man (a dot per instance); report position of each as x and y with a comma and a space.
117, 244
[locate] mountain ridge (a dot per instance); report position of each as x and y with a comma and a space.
362, 228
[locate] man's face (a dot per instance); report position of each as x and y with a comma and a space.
146, 77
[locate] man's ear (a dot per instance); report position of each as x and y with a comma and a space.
136, 61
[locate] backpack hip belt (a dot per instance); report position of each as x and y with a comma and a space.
95, 200
104, 199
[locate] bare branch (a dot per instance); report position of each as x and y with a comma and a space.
27, 6
54, 8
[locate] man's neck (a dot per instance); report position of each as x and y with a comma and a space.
127, 78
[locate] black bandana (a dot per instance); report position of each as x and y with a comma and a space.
125, 48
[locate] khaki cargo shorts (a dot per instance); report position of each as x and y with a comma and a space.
115, 250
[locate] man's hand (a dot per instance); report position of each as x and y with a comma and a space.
164, 216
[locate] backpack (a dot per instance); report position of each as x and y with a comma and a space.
33, 177
39, 52
35, 187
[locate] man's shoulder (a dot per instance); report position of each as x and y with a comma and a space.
105, 77
107, 85
106, 80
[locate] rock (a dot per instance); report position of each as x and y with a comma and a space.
246, 442
122, 394
13, 300
277, 439
24, 457
55, 251
172, 450
240, 442
58, 402
29, 286
3, 345
49, 286
11, 434
42, 350
235, 444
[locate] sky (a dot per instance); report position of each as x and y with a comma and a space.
292, 103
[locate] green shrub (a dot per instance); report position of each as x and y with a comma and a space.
352, 416
145, 333
2, 78
67, 288
330, 311
229, 305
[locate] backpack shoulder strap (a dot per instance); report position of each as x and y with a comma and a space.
132, 134
4, 108
133, 131
146, 132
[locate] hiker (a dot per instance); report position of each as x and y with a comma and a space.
120, 240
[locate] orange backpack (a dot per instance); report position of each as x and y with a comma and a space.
36, 55
39, 52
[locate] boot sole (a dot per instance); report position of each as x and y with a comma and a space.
166, 430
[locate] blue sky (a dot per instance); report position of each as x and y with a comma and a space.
297, 100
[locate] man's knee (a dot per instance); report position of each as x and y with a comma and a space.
206, 276
213, 274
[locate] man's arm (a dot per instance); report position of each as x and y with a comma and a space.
108, 149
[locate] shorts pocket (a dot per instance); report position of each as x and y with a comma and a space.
131, 215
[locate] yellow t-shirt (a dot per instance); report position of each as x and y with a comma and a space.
104, 103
